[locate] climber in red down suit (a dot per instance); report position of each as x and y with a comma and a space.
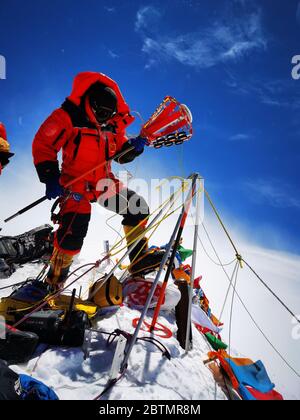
89, 128
5, 154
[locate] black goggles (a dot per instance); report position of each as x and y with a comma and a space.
103, 113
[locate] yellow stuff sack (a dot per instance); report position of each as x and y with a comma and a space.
109, 294
63, 302
10, 308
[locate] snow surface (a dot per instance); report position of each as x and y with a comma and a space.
149, 375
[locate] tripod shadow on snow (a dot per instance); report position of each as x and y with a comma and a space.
151, 352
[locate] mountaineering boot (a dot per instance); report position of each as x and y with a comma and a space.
60, 264
5, 270
143, 260
20, 249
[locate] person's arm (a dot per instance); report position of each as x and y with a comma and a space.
48, 141
132, 148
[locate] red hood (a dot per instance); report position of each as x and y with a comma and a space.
83, 81
3, 131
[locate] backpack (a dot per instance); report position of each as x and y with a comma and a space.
17, 346
58, 327
10, 387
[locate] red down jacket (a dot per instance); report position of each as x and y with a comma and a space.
3, 131
84, 144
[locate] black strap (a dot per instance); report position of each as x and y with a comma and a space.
55, 216
158, 344
111, 338
77, 142
117, 332
107, 149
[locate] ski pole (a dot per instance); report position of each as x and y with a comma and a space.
184, 214
152, 290
42, 199
191, 285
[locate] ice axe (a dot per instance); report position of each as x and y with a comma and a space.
42, 199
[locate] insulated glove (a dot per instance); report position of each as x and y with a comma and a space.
138, 143
53, 188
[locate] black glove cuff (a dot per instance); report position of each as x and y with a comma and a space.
48, 171
129, 156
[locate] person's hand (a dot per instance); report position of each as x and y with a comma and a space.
138, 143
53, 189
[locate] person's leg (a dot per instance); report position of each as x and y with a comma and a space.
135, 220
69, 237
135, 212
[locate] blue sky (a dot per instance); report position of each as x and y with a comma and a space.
228, 60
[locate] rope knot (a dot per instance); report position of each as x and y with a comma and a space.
240, 259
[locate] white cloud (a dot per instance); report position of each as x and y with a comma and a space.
150, 63
110, 9
275, 93
219, 41
112, 54
273, 193
279, 93
145, 17
240, 137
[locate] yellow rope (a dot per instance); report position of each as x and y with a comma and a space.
181, 189
237, 254
136, 259
147, 230
118, 243
154, 227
